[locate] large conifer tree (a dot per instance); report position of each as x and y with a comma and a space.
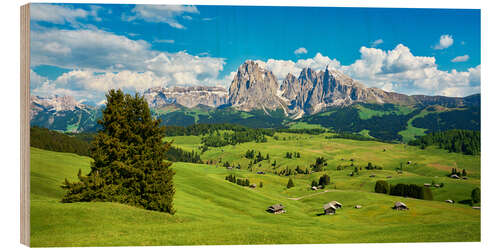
129, 156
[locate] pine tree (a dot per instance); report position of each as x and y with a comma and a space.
128, 159
290, 183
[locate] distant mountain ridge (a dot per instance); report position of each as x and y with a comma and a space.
191, 96
252, 90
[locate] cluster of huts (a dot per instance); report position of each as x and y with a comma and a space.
329, 208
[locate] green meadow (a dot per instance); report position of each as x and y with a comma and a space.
213, 211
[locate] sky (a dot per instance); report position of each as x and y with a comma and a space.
83, 50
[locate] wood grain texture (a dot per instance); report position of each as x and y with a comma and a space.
25, 130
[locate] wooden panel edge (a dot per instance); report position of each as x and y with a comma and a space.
25, 130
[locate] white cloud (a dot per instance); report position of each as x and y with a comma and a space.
59, 14
300, 50
98, 50
399, 70
103, 60
56, 13
102, 82
91, 85
162, 14
377, 42
184, 68
397, 61
463, 58
36, 80
95, 49
445, 41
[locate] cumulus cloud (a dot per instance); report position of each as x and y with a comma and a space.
85, 48
463, 58
59, 14
56, 13
184, 68
399, 70
102, 82
445, 41
300, 50
168, 14
102, 60
377, 42
91, 85
36, 80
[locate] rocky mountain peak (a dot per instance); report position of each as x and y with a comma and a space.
254, 88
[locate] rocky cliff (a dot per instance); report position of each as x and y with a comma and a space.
255, 88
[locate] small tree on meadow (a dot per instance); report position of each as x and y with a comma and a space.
476, 195
290, 183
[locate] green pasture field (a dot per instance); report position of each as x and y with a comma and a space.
213, 211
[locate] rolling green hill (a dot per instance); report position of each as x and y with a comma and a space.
211, 210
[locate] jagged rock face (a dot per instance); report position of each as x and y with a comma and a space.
254, 88
290, 87
186, 96
54, 104
313, 91
62, 113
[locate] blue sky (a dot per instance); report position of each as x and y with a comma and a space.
83, 50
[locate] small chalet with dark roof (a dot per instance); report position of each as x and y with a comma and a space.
276, 209
329, 209
400, 206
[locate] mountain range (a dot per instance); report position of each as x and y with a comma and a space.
254, 93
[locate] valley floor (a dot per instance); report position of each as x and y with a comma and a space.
211, 210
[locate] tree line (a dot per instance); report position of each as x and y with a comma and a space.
404, 190
218, 139
204, 128
459, 141
240, 181
290, 171
44, 138
177, 154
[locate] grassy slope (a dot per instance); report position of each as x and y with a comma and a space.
411, 131
366, 113
211, 210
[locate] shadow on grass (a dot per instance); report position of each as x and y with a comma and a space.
466, 202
